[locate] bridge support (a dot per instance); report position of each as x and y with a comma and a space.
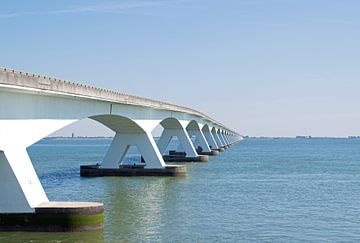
199, 142
24, 205
21, 190
128, 133
190, 154
121, 144
221, 138
202, 145
227, 138
173, 128
210, 139
226, 143
217, 139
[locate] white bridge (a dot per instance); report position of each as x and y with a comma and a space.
34, 106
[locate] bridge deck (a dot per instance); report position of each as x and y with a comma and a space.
36, 81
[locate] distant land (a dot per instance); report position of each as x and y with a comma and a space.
303, 137
77, 137
245, 137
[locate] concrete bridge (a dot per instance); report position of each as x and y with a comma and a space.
33, 106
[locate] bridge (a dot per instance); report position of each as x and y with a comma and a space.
33, 106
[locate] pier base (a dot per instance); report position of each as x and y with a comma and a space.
211, 153
95, 170
219, 150
56, 217
183, 158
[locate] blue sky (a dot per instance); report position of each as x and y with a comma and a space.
263, 67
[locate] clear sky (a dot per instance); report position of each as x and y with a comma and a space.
262, 67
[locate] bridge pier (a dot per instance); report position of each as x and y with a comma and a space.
21, 190
210, 139
217, 139
113, 163
200, 143
205, 148
221, 139
189, 155
194, 129
121, 144
173, 128
23, 199
225, 138
229, 137
131, 132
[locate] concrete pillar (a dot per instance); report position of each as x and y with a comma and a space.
183, 137
221, 138
200, 138
20, 187
121, 144
210, 139
226, 138
216, 137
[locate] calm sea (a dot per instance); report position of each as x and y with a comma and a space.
274, 190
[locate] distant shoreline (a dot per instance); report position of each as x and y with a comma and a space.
245, 137
303, 137
61, 137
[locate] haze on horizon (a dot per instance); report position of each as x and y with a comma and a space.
261, 67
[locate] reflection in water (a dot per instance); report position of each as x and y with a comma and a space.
136, 206
77, 237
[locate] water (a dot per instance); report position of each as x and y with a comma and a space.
259, 190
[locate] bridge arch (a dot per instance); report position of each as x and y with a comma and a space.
171, 123
206, 128
193, 125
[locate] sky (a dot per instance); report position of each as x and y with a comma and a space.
261, 67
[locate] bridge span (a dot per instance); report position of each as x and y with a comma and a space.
33, 106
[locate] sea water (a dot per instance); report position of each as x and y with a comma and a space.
282, 190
